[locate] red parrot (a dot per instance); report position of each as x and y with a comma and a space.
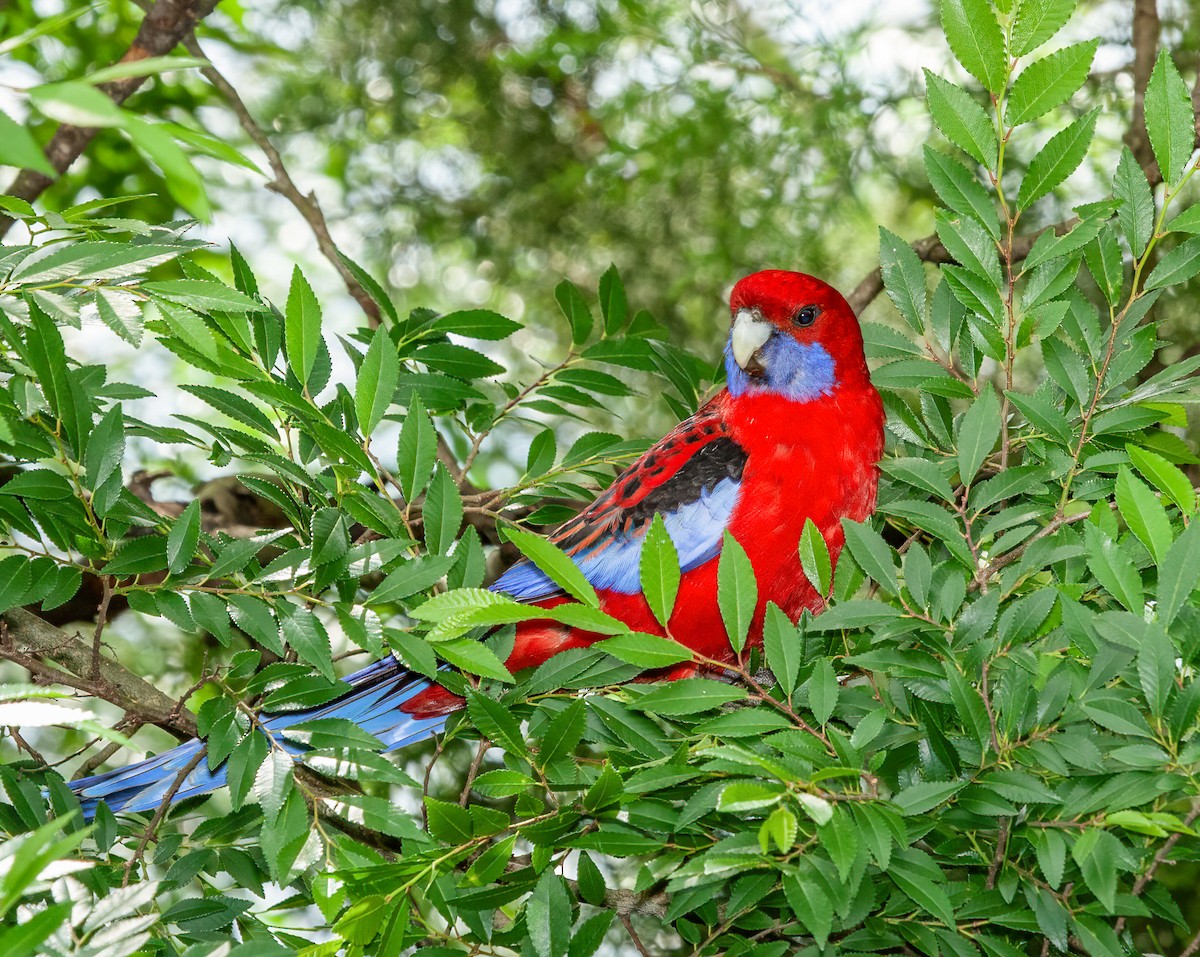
796, 434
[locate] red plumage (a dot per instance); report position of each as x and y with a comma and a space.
814, 458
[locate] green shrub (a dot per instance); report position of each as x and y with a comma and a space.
986, 744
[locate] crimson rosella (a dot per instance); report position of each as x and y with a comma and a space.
796, 434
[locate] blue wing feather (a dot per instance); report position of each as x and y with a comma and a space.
692, 477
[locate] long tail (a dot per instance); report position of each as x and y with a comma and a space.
384, 699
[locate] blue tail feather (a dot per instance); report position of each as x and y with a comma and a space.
372, 702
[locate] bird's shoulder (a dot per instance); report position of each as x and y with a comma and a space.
685, 465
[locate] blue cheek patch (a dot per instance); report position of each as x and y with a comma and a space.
796, 371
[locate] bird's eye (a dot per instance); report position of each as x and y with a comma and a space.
806, 315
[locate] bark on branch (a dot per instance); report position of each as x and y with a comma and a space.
27, 640
1145, 47
162, 29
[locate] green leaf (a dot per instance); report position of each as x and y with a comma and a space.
203, 295
19, 148
913, 881
183, 538
47, 355
442, 512
376, 384
740, 796
659, 570
1136, 212
1177, 266
1099, 855
925, 796
555, 563
614, 306
243, 765
872, 554
496, 722
76, 103
25, 938
1187, 221
418, 450
1178, 573
810, 905
273, 782
563, 734
1036, 21
903, 278
688, 696
1057, 160
330, 538
149, 66
414, 576
645, 651
1049, 82
920, 473
839, 837
579, 315
1144, 514
474, 657
781, 827
1113, 569
962, 120
542, 452
502, 783
548, 916
978, 431
1170, 122
976, 40
303, 631
1168, 478
477, 324
1156, 668
737, 591
959, 189
783, 646
458, 361
1106, 264
184, 182
190, 329
302, 327
103, 459
823, 689
814, 558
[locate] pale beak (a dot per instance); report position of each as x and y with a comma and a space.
748, 336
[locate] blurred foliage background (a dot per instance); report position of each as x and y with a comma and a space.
474, 151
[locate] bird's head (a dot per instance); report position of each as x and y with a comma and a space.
794, 336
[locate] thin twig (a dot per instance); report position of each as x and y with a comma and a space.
1160, 858
164, 805
106, 583
986, 695
484, 744
637, 941
285, 186
1001, 849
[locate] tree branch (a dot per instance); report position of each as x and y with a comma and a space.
1145, 47
28, 641
165, 24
